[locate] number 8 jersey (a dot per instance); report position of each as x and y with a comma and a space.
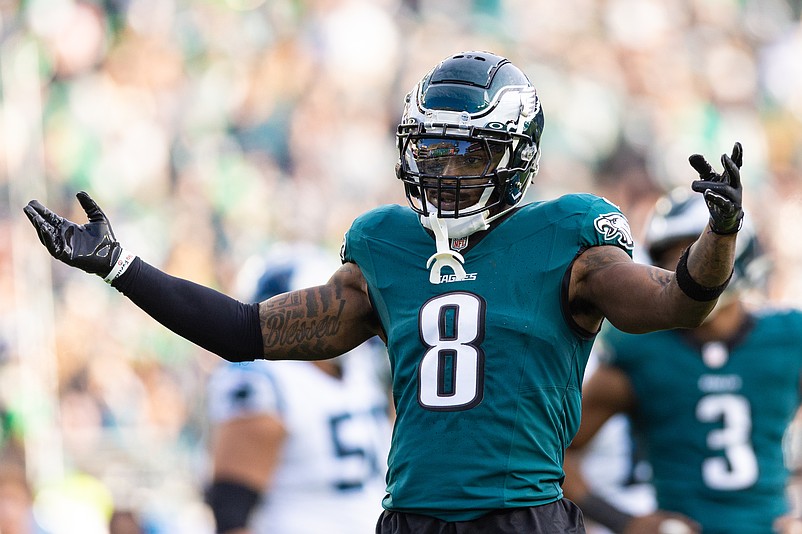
486, 370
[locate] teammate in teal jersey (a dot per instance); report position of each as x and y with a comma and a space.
488, 307
709, 405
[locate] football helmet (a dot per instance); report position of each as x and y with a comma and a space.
469, 141
682, 215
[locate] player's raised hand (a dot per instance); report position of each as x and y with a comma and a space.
723, 192
90, 247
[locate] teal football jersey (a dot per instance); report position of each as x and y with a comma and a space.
487, 370
712, 418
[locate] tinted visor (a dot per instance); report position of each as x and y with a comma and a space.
449, 157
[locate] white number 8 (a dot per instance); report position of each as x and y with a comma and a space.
451, 372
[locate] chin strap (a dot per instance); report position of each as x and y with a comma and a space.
444, 257
462, 227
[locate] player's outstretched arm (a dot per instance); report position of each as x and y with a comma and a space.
317, 323
640, 298
704, 270
206, 317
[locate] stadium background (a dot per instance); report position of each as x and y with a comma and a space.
208, 129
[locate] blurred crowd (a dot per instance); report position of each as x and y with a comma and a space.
209, 129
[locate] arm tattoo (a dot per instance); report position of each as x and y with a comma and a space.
603, 258
288, 323
661, 276
303, 324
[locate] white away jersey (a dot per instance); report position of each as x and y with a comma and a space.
331, 475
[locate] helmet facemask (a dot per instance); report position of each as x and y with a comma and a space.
458, 175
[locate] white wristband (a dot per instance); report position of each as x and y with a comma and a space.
123, 262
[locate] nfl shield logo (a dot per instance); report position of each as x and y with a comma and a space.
459, 243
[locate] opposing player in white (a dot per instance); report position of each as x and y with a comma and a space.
299, 447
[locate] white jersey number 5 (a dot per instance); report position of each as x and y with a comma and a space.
451, 372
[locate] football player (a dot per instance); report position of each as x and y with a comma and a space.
488, 305
290, 433
710, 405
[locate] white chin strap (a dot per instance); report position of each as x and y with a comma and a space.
443, 230
444, 257
464, 226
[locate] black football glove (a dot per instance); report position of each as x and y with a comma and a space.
91, 247
723, 192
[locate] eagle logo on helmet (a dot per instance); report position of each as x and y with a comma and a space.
615, 227
530, 103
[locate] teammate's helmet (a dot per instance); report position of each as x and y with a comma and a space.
682, 215
472, 124
286, 267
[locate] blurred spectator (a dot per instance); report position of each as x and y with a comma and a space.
124, 522
16, 502
78, 502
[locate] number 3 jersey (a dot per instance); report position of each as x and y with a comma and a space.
486, 370
712, 417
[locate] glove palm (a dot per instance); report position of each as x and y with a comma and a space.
90, 247
723, 192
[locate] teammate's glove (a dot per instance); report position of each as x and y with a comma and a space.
723, 192
91, 247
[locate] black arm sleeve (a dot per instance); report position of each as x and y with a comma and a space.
216, 322
231, 503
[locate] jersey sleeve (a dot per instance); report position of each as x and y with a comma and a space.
605, 224
354, 247
240, 390
347, 248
